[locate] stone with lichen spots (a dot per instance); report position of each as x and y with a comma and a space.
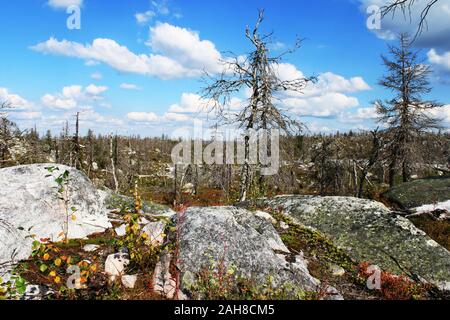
368, 231
29, 204
244, 242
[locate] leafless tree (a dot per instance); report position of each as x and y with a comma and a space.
373, 158
78, 161
405, 7
406, 114
113, 159
257, 72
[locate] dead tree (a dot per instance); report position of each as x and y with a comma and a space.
90, 152
373, 159
405, 7
76, 144
406, 114
257, 72
113, 162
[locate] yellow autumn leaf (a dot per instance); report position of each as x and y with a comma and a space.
74, 217
46, 257
93, 268
52, 274
58, 262
57, 280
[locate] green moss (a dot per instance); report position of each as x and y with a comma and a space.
301, 238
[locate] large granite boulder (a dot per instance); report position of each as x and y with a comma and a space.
241, 240
30, 204
370, 232
421, 192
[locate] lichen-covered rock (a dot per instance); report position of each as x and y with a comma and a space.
240, 240
114, 201
419, 192
370, 232
30, 204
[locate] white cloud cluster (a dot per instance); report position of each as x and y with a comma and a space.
191, 105
156, 8
185, 47
21, 108
181, 53
325, 98
361, 114
443, 114
144, 17
15, 100
442, 61
63, 4
74, 96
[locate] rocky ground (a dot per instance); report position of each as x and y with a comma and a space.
289, 247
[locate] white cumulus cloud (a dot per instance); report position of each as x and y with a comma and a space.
327, 97
178, 53
190, 103
73, 96
15, 100
442, 61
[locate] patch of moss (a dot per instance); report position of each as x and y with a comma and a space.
300, 238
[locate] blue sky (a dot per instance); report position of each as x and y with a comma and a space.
134, 66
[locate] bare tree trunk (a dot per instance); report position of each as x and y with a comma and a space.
113, 166
245, 175
77, 148
374, 156
195, 173
357, 186
175, 184
392, 166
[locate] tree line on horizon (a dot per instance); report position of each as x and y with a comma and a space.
409, 144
